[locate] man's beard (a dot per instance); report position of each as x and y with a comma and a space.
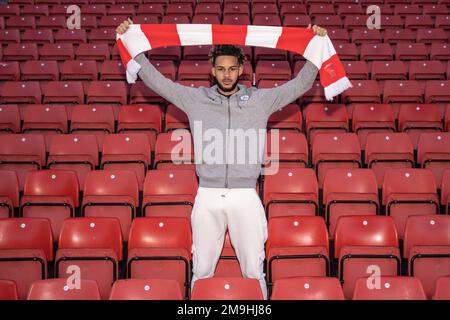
227, 89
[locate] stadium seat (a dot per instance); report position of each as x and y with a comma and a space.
349, 192
175, 118
50, 194
291, 192
76, 152
376, 51
103, 35
151, 9
107, 92
22, 23
9, 36
439, 51
356, 70
335, 150
391, 288
388, 70
10, 9
325, 118
433, 153
9, 118
442, 291
426, 70
63, 92
96, 246
366, 91
396, 91
56, 51
290, 150
9, 193
228, 264
112, 70
160, 247
26, 246
236, 19
286, 118
272, 70
169, 193
445, 191
409, 192
426, 247
92, 51
22, 153
227, 289
167, 68
39, 70
20, 92
141, 94
363, 241
297, 246
437, 91
307, 288
74, 36
8, 290
431, 35
328, 21
174, 150
146, 289
79, 70
111, 194
58, 289
262, 53
93, 119
396, 36
341, 37
411, 51
10, 71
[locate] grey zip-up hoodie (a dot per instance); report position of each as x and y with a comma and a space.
215, 121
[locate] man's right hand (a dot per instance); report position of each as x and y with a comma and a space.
124, 26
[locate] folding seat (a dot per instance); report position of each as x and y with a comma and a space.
40, 70
426, 70
174, 150
356, 70
409, 192
175, 19
437, 91
361, 36
179, 9
431, 35
335, 150
107, 91
76, 152
227, 289
200, 52
364, 241
205, 19
395, 36
390, 288
442, 22
433, 9
376, 51
79, 70
407, 9
366, 91
321, 8
111, 21
264, 8
22, 153
8, 290
236, 19
273, 70
440, 51
22, 22
292, 8
146, 289
417, 119
262, 53
325, 118
391, 21
103, 35
307, 288
58, 289
20, 52
209, 8
388, 70
26, 246
75, 36
167, 68
267, 20
10, 71
51, 23
96, 246
228, 264
9, 36
151, 9
291, 192
328, 21
286, 118
160, 247
415, 22
402, 91
140, 93
295, 19
37, 36
347, 51
296, 247
92, 51
53, 51
20, 92
175, 118
442, 291
427, 248
9, 193
9, 118
194, 70
143, 19
125, 8
236, 8
96, 119
10, 9
130, 151
63, 92
349, 192
433, 153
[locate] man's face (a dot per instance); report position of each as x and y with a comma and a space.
227, 71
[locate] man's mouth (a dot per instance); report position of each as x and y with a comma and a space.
227, 81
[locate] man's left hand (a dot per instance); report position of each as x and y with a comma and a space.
318, 30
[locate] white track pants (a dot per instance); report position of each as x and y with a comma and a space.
242, 212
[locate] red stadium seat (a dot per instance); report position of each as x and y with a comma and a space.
347, 51
11, 9
415, 22
297, 246
146, 289
151, 9
22, 153
286, 118
437, 91
63, 92
286, 149
111, 194
228, 264
273, 70
291, 192
9, 118
141, 94
9, 193
79, 70
402, 91
262, 53
442, 291
174, 150
356, 70
321, 8
335, 150
349, 192
175, 118
431, 35
364, 241
194, 70
439, 51
39, 37
325, 118
52, 22
391, 288
74, 36
26, 246
396, 36
160, 247
445, 191
364, 36
341, 37
235, 8
387, 151
20, 92
96, 246
40, 70
8, 290
75, 152
167, 68
426, 247
23, 23
10, 71
127, 152
426, 70
366, 91
50, 194
376, 51
411, 51
169, 193
205, 19
9, 36
107, 92
92, 51
307, 288
388, 70
179, 9
409, 192
112, 70
236, 19
227, 289
57, 289
104, 35
56, 51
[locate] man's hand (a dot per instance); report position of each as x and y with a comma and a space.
318, 30
124, 26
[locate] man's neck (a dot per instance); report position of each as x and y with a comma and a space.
229, 93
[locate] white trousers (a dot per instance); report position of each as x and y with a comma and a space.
241, 211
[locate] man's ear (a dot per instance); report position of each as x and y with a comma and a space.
213, 71
241, 69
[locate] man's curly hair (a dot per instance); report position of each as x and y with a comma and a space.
226, 50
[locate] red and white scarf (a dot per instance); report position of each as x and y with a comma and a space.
319, 50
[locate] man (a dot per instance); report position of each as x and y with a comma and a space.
226, 198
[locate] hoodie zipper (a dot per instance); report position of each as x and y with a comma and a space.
227, 142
